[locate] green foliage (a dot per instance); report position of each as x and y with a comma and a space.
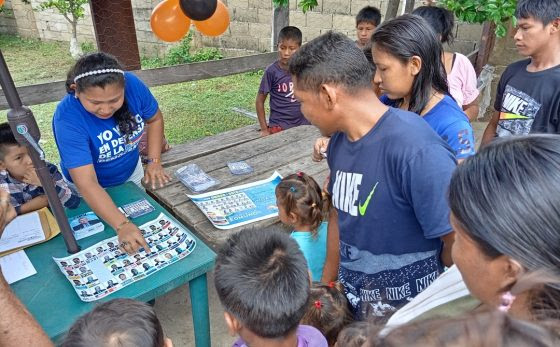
181, 54
87, 47
72, 10
479, 11
305, 5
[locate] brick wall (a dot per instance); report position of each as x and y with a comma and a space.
250, 28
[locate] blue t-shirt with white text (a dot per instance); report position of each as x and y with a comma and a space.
391, 210
83, 138
451, 123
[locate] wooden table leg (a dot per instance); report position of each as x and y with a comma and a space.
198, 291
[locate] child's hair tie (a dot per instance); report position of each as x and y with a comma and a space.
332, 284
318, 304
293, 189
300, 174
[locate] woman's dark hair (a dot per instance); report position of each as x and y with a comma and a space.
119, 322
405, 37
507, 199
99, 61
328, 310
481, 329
440, 19
300, 194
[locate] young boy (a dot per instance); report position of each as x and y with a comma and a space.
284, 108
18, 177
528, 95
389, 176
366, 21
118, 323
263, 283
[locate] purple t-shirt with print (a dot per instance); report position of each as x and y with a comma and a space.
307, 336
284, 108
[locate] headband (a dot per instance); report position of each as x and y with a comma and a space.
97, 72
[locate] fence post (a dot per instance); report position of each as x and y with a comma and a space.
280, 19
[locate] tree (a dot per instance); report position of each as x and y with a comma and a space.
72, 11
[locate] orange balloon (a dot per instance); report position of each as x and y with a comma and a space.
1, 3
168, 21
217, 24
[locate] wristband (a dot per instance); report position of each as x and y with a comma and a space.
120, 226
153, 160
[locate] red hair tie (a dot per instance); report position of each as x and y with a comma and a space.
318, 304
300, 174
332, 284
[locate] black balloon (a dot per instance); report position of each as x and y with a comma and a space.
198, 9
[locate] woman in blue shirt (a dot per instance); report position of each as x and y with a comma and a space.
97, 127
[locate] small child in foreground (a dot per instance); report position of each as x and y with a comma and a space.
118, 323
18, 177
301, 206
367, 20
328, 310
285, 110
262, 281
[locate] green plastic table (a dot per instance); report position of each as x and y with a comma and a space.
53, 302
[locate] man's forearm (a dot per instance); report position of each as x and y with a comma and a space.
17, 326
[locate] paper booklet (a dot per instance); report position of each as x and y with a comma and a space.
103, 268
236, 206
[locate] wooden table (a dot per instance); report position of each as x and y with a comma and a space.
286, 152
53, 302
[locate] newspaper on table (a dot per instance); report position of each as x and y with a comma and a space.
236, 206
103, 268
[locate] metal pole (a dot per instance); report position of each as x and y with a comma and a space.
27, 133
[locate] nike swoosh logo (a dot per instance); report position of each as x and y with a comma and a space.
363, 208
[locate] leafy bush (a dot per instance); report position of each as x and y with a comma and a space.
181, 54
479, 11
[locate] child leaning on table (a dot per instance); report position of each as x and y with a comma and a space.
18, 177
262, 281
301, 206
118, 323
284, 108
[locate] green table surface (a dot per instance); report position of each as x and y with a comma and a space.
49, 296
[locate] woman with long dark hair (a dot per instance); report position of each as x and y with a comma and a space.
97, 128
411, 75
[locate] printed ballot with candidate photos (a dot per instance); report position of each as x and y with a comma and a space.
103, 268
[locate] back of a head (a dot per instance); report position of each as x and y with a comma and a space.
331, 58
483, 329
369, 14
262, 279
512, 188
405, 37
328, 310
544, 11
117, 323
440, 19
290, 33
7, 138
354, 335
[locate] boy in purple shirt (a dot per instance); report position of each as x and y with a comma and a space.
284, 108
262, 280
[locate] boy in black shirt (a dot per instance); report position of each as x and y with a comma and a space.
528, 96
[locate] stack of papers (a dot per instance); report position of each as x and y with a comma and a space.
23, 231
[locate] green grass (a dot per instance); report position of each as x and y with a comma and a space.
191, 110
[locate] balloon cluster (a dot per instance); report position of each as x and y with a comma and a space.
171, 19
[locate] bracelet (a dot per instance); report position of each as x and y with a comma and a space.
153, 160
120, 226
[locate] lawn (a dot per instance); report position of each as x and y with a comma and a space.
191, 109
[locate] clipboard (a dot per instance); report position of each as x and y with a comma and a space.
50, 229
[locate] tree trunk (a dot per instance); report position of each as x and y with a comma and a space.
392, 9
75, 49
280, 19
409, 6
